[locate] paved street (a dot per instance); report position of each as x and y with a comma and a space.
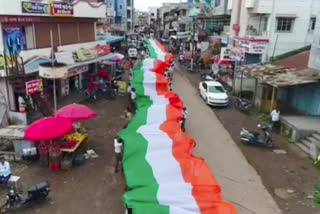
241, 184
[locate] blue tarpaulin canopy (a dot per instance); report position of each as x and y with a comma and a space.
110, 39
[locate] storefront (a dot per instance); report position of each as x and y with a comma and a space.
254, 49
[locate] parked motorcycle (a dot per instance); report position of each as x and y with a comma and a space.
14, 200
242, 104
209, 77
254, 138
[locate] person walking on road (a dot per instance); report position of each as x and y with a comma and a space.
185, 115
133, 97
275, 119
118, 147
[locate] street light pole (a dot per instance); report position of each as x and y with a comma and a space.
193, 36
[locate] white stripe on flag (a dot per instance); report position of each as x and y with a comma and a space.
178, 196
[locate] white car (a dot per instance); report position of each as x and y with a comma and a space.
133, 53
213, 93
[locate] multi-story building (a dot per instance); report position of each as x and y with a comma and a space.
217, 18
32, 30
130, 14
120, 15
141, 20
174, 18
153, 15
269, 28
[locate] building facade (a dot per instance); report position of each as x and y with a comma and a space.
141, 20
120, 15
269, 28
28, 31
153, 15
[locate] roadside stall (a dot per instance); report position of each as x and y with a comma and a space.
47, 131
73, 141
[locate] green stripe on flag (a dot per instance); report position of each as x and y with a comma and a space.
143, 188
152, 52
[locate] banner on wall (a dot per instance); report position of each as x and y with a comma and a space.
34, 86
61, 9
14, 39
34, 8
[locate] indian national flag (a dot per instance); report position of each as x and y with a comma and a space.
162, 175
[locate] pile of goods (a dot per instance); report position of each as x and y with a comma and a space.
72, 140
76, 136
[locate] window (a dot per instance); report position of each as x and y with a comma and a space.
265, 20
217, 3
312, 24
285, 25
204, 85
216, 89
120, 6
128, 3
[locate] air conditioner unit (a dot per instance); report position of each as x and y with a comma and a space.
250, 3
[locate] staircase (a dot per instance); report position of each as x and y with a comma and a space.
311, 145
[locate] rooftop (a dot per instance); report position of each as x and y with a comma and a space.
298, 61
280, 76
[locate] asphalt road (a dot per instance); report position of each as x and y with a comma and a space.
241, 184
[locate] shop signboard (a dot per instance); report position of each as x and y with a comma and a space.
236, 28
61, 9
225, 54
14, 39
237, 54
253, 46
86, 54
65, 57
34, 8
34, 86
19, 20
103, 50
111, 12
77, 70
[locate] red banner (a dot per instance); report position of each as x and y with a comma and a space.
34, 86
61, 9
103, 50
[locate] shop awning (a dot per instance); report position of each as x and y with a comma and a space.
278, 76
33, 65
110, 39
102, 58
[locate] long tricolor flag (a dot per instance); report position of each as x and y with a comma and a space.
162, 175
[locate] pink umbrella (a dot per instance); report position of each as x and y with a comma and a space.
76, 112
48, 128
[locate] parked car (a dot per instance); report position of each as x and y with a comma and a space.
213, 93
133, 53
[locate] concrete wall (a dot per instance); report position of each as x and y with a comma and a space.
304, 98
81, 9
17, 118
314, 60
248, 84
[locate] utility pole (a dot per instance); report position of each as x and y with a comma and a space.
193, 39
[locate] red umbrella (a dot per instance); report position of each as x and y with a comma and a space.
48, 128
76, 112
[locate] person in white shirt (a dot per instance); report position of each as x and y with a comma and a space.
185, 115
5, 171
275, 119
118, 147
